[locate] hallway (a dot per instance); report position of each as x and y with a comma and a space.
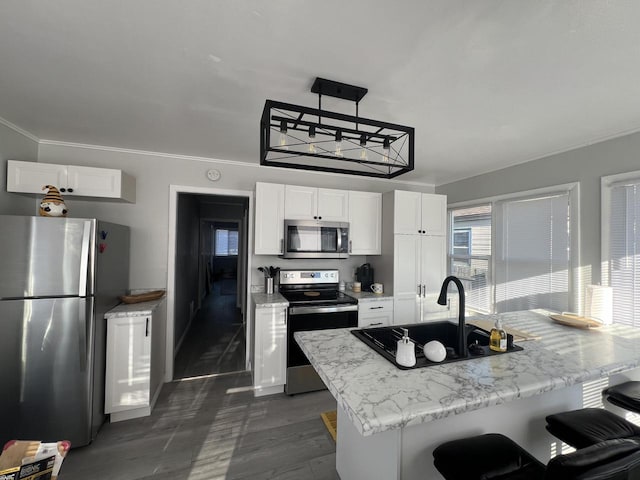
216, 341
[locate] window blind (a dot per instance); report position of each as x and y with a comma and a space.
532, 253
624, 252
226, 242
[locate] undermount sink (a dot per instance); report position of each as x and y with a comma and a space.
384, 341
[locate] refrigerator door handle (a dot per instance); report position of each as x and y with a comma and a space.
83, 336
84, 259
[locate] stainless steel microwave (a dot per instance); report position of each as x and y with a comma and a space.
312, 239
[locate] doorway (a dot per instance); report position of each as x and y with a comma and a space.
210, 284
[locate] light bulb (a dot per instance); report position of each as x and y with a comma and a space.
312, 137
283, 135
338, 151
386, 147
363, 144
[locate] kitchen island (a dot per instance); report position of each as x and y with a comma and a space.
390, 420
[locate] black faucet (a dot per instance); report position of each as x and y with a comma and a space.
442, 300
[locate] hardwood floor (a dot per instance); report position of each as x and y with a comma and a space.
216, 340
214, 428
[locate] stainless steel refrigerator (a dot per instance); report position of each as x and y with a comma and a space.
58, 277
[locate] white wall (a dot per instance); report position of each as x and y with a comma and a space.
15, 146
148, 217
585, 165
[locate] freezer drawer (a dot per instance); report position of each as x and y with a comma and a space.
47, 363
46, 257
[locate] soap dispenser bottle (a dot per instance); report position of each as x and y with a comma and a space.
498, 337
406, 352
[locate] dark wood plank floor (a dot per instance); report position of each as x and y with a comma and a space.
214, 428
215, 343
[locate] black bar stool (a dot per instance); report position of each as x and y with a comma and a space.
587, 426
494, 456
584, 427
626, 395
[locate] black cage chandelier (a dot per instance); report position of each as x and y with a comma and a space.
293, 136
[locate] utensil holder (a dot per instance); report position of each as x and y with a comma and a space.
268, 285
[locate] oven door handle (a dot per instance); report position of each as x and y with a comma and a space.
328, 309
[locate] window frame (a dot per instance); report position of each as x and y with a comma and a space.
575, 277
607, 184
215, 242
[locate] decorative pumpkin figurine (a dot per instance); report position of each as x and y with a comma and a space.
52, 205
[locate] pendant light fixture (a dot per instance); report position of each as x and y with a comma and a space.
299, 137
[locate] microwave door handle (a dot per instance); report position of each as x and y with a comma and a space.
339, 246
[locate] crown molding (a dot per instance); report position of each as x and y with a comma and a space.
215, 160
19, 130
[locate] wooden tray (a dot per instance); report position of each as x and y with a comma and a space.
142, 297
575, 321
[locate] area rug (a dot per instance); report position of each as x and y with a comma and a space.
330, 420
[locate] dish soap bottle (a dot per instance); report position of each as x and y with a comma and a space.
498, 337
406, 352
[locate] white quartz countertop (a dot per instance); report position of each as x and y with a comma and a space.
262, 300
134, 309
377, 396
367, 295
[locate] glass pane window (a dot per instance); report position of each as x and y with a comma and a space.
470, 254
226, 242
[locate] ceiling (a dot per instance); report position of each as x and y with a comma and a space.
486, 84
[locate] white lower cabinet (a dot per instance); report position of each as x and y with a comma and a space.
270, 350
375, 312
134, 372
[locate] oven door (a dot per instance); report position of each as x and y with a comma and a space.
301, 377
311, 239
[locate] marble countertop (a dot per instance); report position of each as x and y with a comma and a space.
367, 295
377, 396
134, 309
262, 300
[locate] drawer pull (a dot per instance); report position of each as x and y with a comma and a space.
374, 308
374, 324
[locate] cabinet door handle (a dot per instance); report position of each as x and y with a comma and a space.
282, 246
146, 328
374, 308
419, 290
70, 190
424, 291
63, 189
350, 246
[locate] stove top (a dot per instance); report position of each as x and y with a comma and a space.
314, 295
313, 287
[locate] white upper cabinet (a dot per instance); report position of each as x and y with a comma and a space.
333, 205
420, 213
301, 203
434, 214
365, 223
269, 224
277, 202
310, 203
71, 180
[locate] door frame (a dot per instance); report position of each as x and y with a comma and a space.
174, 190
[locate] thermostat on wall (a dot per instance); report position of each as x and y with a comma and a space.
213, 174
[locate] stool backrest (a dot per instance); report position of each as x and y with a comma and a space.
617, 459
